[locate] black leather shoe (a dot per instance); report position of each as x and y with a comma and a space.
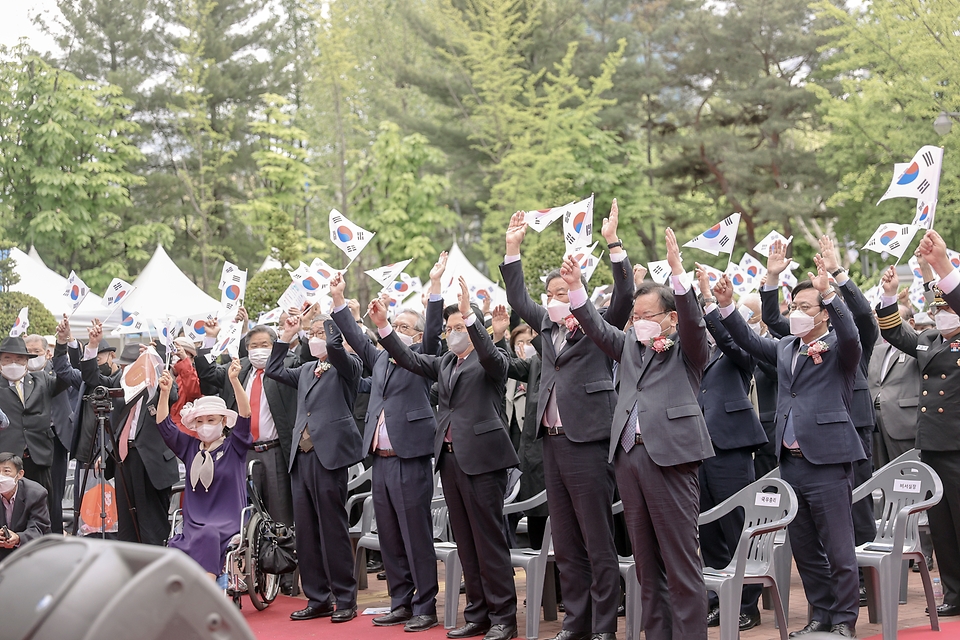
397, 616
501, 632
812, 627
344, 615
604, 636
749, 620
946, 610
844, 630
469, 630
621, 612
382, 575
566, 634
421, 623
713, 618
309, 613
374, 566
863, 596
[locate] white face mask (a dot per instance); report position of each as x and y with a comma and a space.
258, 357
35, 364
947, 322
7, 483
209, 432
318, 347
458, 341
800, 323
745, 312
527, 352
405, 339
756, 327
558, 310
646, 330
13, 371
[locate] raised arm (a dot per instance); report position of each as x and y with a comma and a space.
848, 338
67, 375
433, 321
427, 366
901, 336
621, 303
493, 360
512, 271
763, 349
852, 296
348, 365
720, 334
609, 338
777, 262
343, 318
693, 335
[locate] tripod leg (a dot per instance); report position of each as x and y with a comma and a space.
115, 456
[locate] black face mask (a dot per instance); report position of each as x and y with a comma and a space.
106, 369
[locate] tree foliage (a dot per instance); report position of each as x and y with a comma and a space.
41, 320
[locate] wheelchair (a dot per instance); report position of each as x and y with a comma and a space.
241, 570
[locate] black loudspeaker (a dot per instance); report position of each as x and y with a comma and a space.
67, 588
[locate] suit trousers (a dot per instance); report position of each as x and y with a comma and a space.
887, 448
765, 458
58, 479
944, 519
44, 477
721, 476
402, 491
273, 483
864, 522
475, 505
152, 505
822, 538
324, 552
580, 485
661, 505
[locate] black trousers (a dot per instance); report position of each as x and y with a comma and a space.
864, 523
580, 485
475, 506
944, 519
765, 458
720, 477
58, 476
402, 490
151, 505
43, 476
324, 552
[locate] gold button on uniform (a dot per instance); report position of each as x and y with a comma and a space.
941, 393
923, 409
940, 410
943, 376
924, 393
925, 376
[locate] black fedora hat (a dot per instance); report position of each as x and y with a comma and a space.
105, 347
129, 354
16, 346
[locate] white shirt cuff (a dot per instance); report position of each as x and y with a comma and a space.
384, 331
681, 284
470, 319
950, 282
829, 298
578, 297
73, 344
618, 257
709, 308
209, 343
340, 307
89, 353
727, 310
886, 301
770, 287
435, 297
511, 259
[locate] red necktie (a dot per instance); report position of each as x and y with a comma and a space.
255, 392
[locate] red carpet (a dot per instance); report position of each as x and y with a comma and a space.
274, 623
948, 631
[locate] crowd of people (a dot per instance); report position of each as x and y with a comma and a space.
669, 397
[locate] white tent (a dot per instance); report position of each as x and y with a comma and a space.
46, 285
162, 289
479, 284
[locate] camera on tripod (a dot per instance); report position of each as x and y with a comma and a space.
101, 399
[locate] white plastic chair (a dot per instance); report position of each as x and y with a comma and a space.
534, 564
633, 606
754, 561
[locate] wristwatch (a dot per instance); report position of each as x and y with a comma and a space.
707, 301
614, 245
837, 272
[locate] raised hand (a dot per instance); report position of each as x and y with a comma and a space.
570, 272
703, 279
354, 306
829, 254
436, 273
337, 287
609, 227
516, 231
307, 318
821, 281
378, 313
639, 273
723, 291
464, 299
934, 251
777, 260
95, 334
890, 282
63, 331
211, 328
674, 257
242, 316
500, 322
234, 371
166, 382
290, 328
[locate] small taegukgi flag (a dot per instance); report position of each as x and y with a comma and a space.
404, 287
386, 274
659, 271
578, 224
763, 247
719, 238
891, 238
346, 236
21, 324
920, 179
76, 291
116, 292
130, 322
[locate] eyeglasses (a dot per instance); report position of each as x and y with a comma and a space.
318, 334
805, 307
399, 326
648, 316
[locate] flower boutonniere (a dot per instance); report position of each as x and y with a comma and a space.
321, 367
571, 323
660, 344
816, 349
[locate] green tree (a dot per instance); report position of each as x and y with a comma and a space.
264, 288
41, 320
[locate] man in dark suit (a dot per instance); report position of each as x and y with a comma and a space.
938, 435
149, 467
325, 443
23, 506
735, 431
473, 452
25, 397
399, 432
574, 413
658, 439
817, 370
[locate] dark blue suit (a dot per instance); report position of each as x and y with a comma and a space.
402, 482
817, 399
318, 477
735, 431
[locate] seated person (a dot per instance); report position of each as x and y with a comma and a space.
23, 506
215, 492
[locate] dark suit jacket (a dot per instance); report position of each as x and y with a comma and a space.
898, 388
471, 400
582, 374
664, 386
819, 395
725, 392
158, 460
402, 396
324, 404
30, 421
937, 428
63, 406
281, 398
31, 516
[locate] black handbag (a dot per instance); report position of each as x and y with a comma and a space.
277, 552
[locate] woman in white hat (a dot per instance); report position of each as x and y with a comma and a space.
215, 493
